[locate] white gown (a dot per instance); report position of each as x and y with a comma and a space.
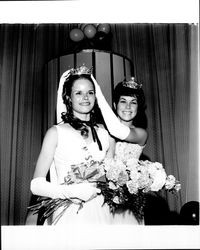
125, 151
73, 149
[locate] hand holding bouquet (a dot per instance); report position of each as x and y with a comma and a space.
81, 181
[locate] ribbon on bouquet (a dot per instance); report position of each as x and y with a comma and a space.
86, 172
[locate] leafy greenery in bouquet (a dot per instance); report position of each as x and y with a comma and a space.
127, 183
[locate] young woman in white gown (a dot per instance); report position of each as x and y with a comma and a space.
75, 140
128, 128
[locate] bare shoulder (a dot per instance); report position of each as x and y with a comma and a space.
143, 131
143, 135
53, 130
140, 135
64, 125
51, 133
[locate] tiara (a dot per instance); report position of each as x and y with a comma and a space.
131, 84
82, 70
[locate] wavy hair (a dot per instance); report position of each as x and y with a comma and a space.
68, 116
140, 120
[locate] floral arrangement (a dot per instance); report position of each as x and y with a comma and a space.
128, 182
123, 185
91, 171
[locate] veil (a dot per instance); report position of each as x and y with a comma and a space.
60, 107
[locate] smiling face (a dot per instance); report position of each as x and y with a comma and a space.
82, 98
126, 108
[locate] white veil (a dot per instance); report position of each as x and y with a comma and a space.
60, 107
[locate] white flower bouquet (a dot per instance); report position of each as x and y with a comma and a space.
127, 182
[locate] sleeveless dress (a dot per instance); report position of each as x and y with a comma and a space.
125, 151
73, 149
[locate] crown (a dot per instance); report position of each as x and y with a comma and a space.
81, 70
131, 84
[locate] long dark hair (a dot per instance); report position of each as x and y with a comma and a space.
68, 116
140, 120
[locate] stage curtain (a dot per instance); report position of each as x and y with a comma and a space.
165, 60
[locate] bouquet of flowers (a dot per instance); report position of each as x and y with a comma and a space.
123, 185
91, 171
127, 182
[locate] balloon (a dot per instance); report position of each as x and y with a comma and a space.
83, 26
90, 31
104, 27
76, 35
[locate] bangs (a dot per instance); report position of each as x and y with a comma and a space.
124, 92
127, 92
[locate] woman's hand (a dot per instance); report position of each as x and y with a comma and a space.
83, 191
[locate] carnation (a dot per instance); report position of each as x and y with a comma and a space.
177, 187
170, 182
159, 178
144, 181
134, 174
132, 186
115, 170
123, 178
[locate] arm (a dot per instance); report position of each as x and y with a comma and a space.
115, 127
46, 154
41, 187
111, 151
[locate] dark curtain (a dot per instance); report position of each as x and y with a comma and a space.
165, 62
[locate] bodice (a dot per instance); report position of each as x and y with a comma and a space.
72, 149
125, 150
